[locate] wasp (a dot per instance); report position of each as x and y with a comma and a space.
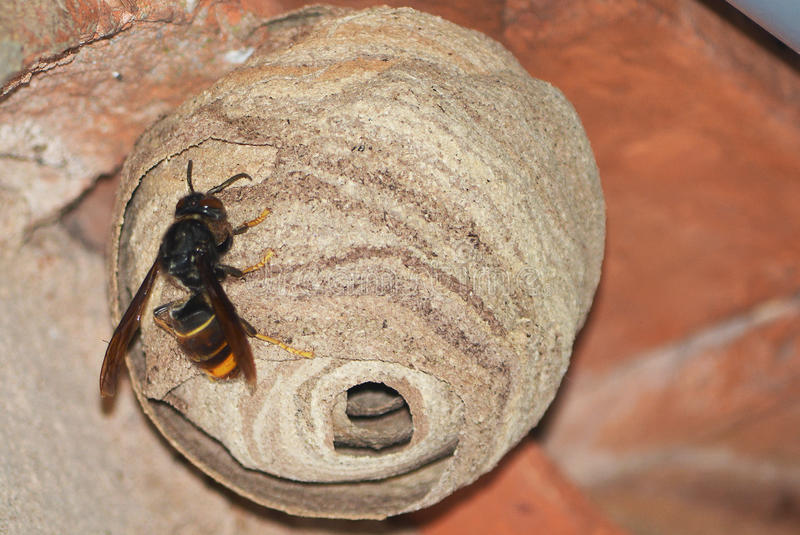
206, 324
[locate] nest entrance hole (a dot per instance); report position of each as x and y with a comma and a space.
377, 421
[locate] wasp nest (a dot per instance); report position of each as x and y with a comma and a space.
438, 228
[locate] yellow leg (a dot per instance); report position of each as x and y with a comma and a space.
252, 223
264, 261
290, 349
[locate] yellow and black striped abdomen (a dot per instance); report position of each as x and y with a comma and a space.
197, 330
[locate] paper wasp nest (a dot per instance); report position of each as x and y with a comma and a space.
438, 229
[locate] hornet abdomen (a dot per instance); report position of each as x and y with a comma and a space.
197, 330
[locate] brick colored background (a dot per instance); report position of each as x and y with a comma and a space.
681, 411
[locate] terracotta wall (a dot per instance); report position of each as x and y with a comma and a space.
680, 413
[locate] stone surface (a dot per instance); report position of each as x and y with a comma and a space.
707, 494
718, 391
438, 228
698, 158
525, 494
699, 432
693, 115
